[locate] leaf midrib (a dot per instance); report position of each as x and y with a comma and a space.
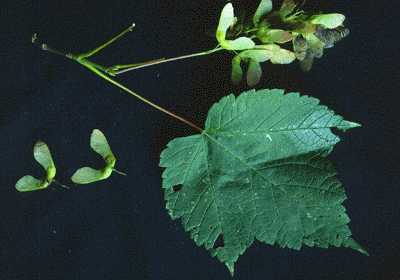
254, 170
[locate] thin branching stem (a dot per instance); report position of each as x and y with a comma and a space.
106, 44
162, 60
140, 97
96, 67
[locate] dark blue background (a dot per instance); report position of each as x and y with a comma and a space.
118, 228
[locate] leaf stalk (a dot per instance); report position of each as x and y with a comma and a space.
96, 67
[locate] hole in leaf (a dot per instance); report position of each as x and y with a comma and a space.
194, 228
210, 227
177, 188
219, 242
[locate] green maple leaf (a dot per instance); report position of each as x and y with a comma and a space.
258, 170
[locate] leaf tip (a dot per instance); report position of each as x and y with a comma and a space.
230, 266
353, 124
355, 246
345, 125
